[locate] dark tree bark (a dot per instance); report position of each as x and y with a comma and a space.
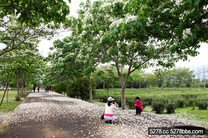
5, 90
103, 84
90, 88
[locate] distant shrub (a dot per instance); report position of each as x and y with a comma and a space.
103, 99
80, 89
202, 105
190, 103
170, 107
147, 101
180, 103
158, 106
61, 87
188, 96
17, 98
130, 103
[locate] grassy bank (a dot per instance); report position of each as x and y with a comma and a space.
12, 104
186, 101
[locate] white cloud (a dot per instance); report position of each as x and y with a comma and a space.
194, 62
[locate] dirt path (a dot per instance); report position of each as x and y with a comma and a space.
53, 115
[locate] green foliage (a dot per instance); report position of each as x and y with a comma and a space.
170, 107
130, 103
25, 95
80, 88
158, 105
17, 98
146, 101
180, 103
60, 88
202, 105
12, 103
33, 13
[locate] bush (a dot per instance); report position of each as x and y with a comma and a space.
170, 107
130, 103
17, 98
25, 95
202, 105
190, 103
180, 103
103, 99
158, 106
61, 87
147, 101
80, 89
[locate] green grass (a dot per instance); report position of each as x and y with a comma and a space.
152, 92
11, 105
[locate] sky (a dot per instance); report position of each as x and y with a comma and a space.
192, 63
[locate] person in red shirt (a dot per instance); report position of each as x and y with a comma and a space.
138, 105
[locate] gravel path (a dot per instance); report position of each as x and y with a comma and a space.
54, 115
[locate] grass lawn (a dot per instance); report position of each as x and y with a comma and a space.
12, 104
196, 116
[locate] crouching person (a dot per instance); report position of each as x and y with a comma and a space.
138, 105
109, 109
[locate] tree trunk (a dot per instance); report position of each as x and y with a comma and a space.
90, 88
5, 90
123, 96
140, 85
7, 96
17, 84
132, 85
26, 87
103, 84
107, 92
22, 87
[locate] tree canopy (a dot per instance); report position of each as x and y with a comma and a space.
35, 12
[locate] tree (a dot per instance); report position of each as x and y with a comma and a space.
107, 75
138, 77
22, 67
33, 13
136, 37
28, 68
160, 76
202, 73
91, 52
66, 63
177, 77
13, 35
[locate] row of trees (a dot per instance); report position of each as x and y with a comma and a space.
22, 23
106, 78
21, 69
131, 35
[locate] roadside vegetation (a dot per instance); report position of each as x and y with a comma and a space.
184, 103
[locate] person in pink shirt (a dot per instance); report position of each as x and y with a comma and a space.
138, 105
